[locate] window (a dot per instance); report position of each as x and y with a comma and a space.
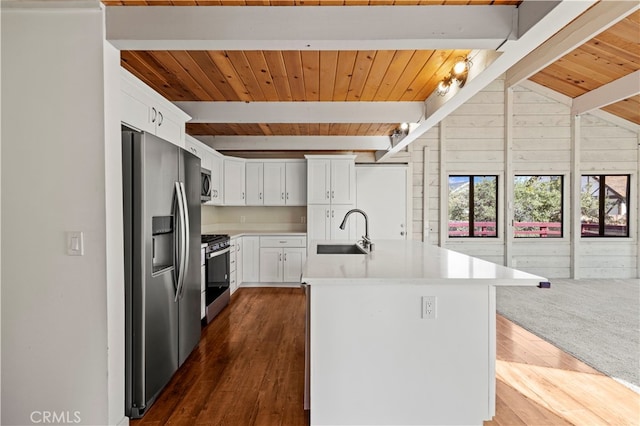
604, 202
473, 206
537, 209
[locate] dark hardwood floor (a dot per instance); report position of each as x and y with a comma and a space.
249, 370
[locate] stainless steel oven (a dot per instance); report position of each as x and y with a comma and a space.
217, 270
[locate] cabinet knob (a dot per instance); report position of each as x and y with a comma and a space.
154, 115
402, 233
260, 196
327, 213
332, 195
243, 195
160, 118
285, 257
327, 195
282, 195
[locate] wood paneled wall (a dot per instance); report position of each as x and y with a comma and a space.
472, 140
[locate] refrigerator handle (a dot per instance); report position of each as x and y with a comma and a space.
186, 238
181, 240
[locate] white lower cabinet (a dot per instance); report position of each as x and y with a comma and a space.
233, 283
282, 259
294, 259
250, 259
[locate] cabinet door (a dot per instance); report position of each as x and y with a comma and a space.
337, 214
318, 181
233, 283
274, 193
271, 265
343, 184
135, 110
255, 183
234, 182
250, 259
294, 259
169, 127
239, 261
296, 183
318, 221
217, 177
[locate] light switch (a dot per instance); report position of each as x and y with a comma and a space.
75, 243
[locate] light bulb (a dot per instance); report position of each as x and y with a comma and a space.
443, 87
404, 126
460, 67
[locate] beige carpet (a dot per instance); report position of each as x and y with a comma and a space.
597, 321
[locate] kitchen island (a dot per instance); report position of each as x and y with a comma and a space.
404, 335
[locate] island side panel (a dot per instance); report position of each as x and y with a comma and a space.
375, 360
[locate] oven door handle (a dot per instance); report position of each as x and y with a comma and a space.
218, 253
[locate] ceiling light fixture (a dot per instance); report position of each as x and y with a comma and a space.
444, 86
458, 74
460, 70
404, 126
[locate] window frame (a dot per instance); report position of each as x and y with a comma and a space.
564, 196
499, 214
601, 206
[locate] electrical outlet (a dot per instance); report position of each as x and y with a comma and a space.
242, 219
303, 219
429, 307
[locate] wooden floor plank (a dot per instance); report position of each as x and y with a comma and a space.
248, 370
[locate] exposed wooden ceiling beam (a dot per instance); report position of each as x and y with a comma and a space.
301, 143
601, 16
303, 112
608, 94
309, 27
489, 67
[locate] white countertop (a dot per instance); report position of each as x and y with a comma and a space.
410, 262
236, 233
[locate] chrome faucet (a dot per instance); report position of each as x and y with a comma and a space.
366, 241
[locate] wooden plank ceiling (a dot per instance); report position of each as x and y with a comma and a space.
609, 56
386, 75
251, 76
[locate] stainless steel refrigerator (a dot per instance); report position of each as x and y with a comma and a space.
161, 187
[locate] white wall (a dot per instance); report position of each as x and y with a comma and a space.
536, 139
54, 306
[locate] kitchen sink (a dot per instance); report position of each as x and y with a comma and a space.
340, 249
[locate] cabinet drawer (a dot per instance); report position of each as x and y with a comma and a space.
283, 241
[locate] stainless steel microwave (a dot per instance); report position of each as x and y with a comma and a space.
205, 185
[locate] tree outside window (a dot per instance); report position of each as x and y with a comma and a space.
604, 202
473, 206
537, 206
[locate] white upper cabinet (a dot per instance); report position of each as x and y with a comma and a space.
323, 223
234, 181
331, 179
144, 109
276, 183
343, 181
255, 183
217, 179
318, 181
296, 183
